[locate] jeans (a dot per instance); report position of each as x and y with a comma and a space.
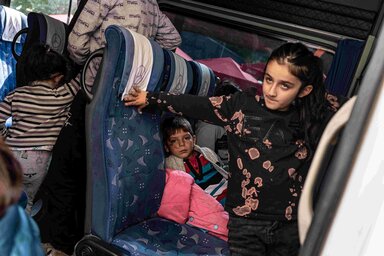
262, 237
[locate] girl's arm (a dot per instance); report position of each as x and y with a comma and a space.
217, 110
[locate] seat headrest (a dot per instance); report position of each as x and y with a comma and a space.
148, 66
180, 74
144, 62
204, 79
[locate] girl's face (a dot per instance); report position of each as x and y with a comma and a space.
280, 87
180, 144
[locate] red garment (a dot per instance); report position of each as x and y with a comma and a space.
185, 202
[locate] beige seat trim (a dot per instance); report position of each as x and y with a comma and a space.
337, 122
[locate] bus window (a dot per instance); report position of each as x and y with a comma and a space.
58, 9
231, 53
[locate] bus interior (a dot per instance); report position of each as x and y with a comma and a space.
234, 40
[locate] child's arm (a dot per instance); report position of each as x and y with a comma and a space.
217, 110
5, 113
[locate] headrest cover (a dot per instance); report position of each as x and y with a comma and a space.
56, 34
142, 62
12, 24
205, 79
158, 67
181, 76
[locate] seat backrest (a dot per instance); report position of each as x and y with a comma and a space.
47, 30
125, 159
41, 29
10, 20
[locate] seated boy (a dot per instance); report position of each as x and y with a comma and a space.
201, 163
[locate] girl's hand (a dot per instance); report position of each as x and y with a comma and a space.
136, 97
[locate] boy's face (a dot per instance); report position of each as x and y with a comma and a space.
180, 144
280, 87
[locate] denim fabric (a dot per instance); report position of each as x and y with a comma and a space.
261, 237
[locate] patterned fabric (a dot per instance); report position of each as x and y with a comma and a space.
126, 160
38, 114
268, 154
153, 237
180, 77
132, 47
135, 170
206, 169
204, 80
142, 63
35, 165
206, 176
7, 61
142, 16
126, 152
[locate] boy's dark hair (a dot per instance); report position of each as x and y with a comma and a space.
226, 88
171, 124
41, 62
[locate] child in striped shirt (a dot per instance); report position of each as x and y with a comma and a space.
201, 163
38, 110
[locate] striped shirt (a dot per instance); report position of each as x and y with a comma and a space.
38, 113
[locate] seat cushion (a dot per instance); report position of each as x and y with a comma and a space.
163, 237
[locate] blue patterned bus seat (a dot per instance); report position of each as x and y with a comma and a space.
125, 162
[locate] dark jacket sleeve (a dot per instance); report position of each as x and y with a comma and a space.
216, 110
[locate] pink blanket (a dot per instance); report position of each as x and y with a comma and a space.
185, 202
